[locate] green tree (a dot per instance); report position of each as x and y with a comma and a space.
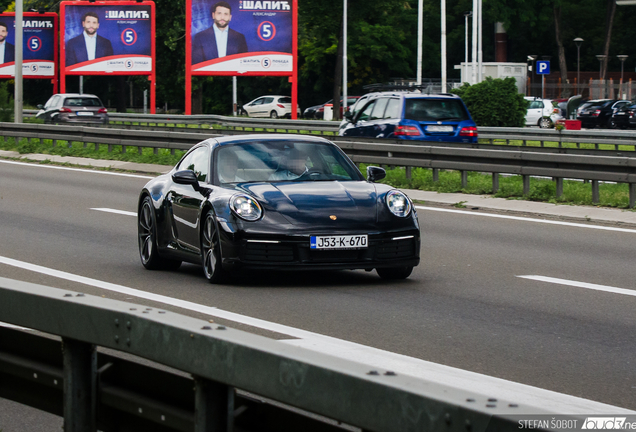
494, 102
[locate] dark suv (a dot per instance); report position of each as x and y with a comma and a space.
598, 113
411, 116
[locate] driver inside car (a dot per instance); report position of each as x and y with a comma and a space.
293, 167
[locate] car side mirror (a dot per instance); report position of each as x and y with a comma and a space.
375, 174
40, 106
188, 177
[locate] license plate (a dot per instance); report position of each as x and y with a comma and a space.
439, 128
620, 113
84, 113
339, 242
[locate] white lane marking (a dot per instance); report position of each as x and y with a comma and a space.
122, 212
581, 284
525, 219
373, 358
94, 171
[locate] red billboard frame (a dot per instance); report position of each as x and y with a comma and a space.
152, 74
293, 75
54, 78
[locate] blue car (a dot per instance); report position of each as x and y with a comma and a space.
411, 116
275, 202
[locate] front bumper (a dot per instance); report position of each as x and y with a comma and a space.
394, 249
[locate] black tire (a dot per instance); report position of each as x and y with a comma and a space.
611, 124
545, 123
211, 252
243, 113
273, 114
394, 273
147, 233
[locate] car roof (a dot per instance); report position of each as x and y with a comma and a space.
75, 95
235, 139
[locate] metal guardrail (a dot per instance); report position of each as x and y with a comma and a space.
616, 138
549, 162
92, 389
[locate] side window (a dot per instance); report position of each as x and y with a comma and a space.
51, 102
268, 100
392, 109
366, 112
197, 160
378, 111
258, 101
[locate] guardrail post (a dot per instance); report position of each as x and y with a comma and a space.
408, 172
495, 183
436, 174
80, 364
595, 192
526, 184
213, 406
464, 175
559, 187
632, 195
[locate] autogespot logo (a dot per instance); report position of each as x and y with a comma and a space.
607, 423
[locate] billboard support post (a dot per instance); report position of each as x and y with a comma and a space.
18, 62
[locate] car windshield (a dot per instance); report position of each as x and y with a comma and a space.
428, 109
82, 101
285, 160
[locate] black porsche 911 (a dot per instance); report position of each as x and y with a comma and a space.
275, 202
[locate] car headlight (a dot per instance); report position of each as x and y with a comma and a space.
398, 203
246, 207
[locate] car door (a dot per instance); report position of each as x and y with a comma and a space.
535, 112
359, 126
254, 107
185, 202
52, 108
266, 107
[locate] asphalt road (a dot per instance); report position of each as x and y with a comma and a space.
465, 306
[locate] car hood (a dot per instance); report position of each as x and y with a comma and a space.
316, 203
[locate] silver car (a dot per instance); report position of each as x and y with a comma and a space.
73, 108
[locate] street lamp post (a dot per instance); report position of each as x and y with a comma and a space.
467, 15
601, 58
531, 59
578, 41
622, 58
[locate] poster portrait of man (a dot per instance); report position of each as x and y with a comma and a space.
7, 50
218, 40
88, 45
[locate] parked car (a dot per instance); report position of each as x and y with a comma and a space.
269, 106
411, 116
542, 112
275, 202
624, 117
73, 108
598, 113
318, 111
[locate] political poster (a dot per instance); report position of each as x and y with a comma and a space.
39, 39
107, 37
236, 37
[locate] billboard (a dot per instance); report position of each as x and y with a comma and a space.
107, 37
233, 37
39, 45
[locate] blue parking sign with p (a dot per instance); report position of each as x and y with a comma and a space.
543, 67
